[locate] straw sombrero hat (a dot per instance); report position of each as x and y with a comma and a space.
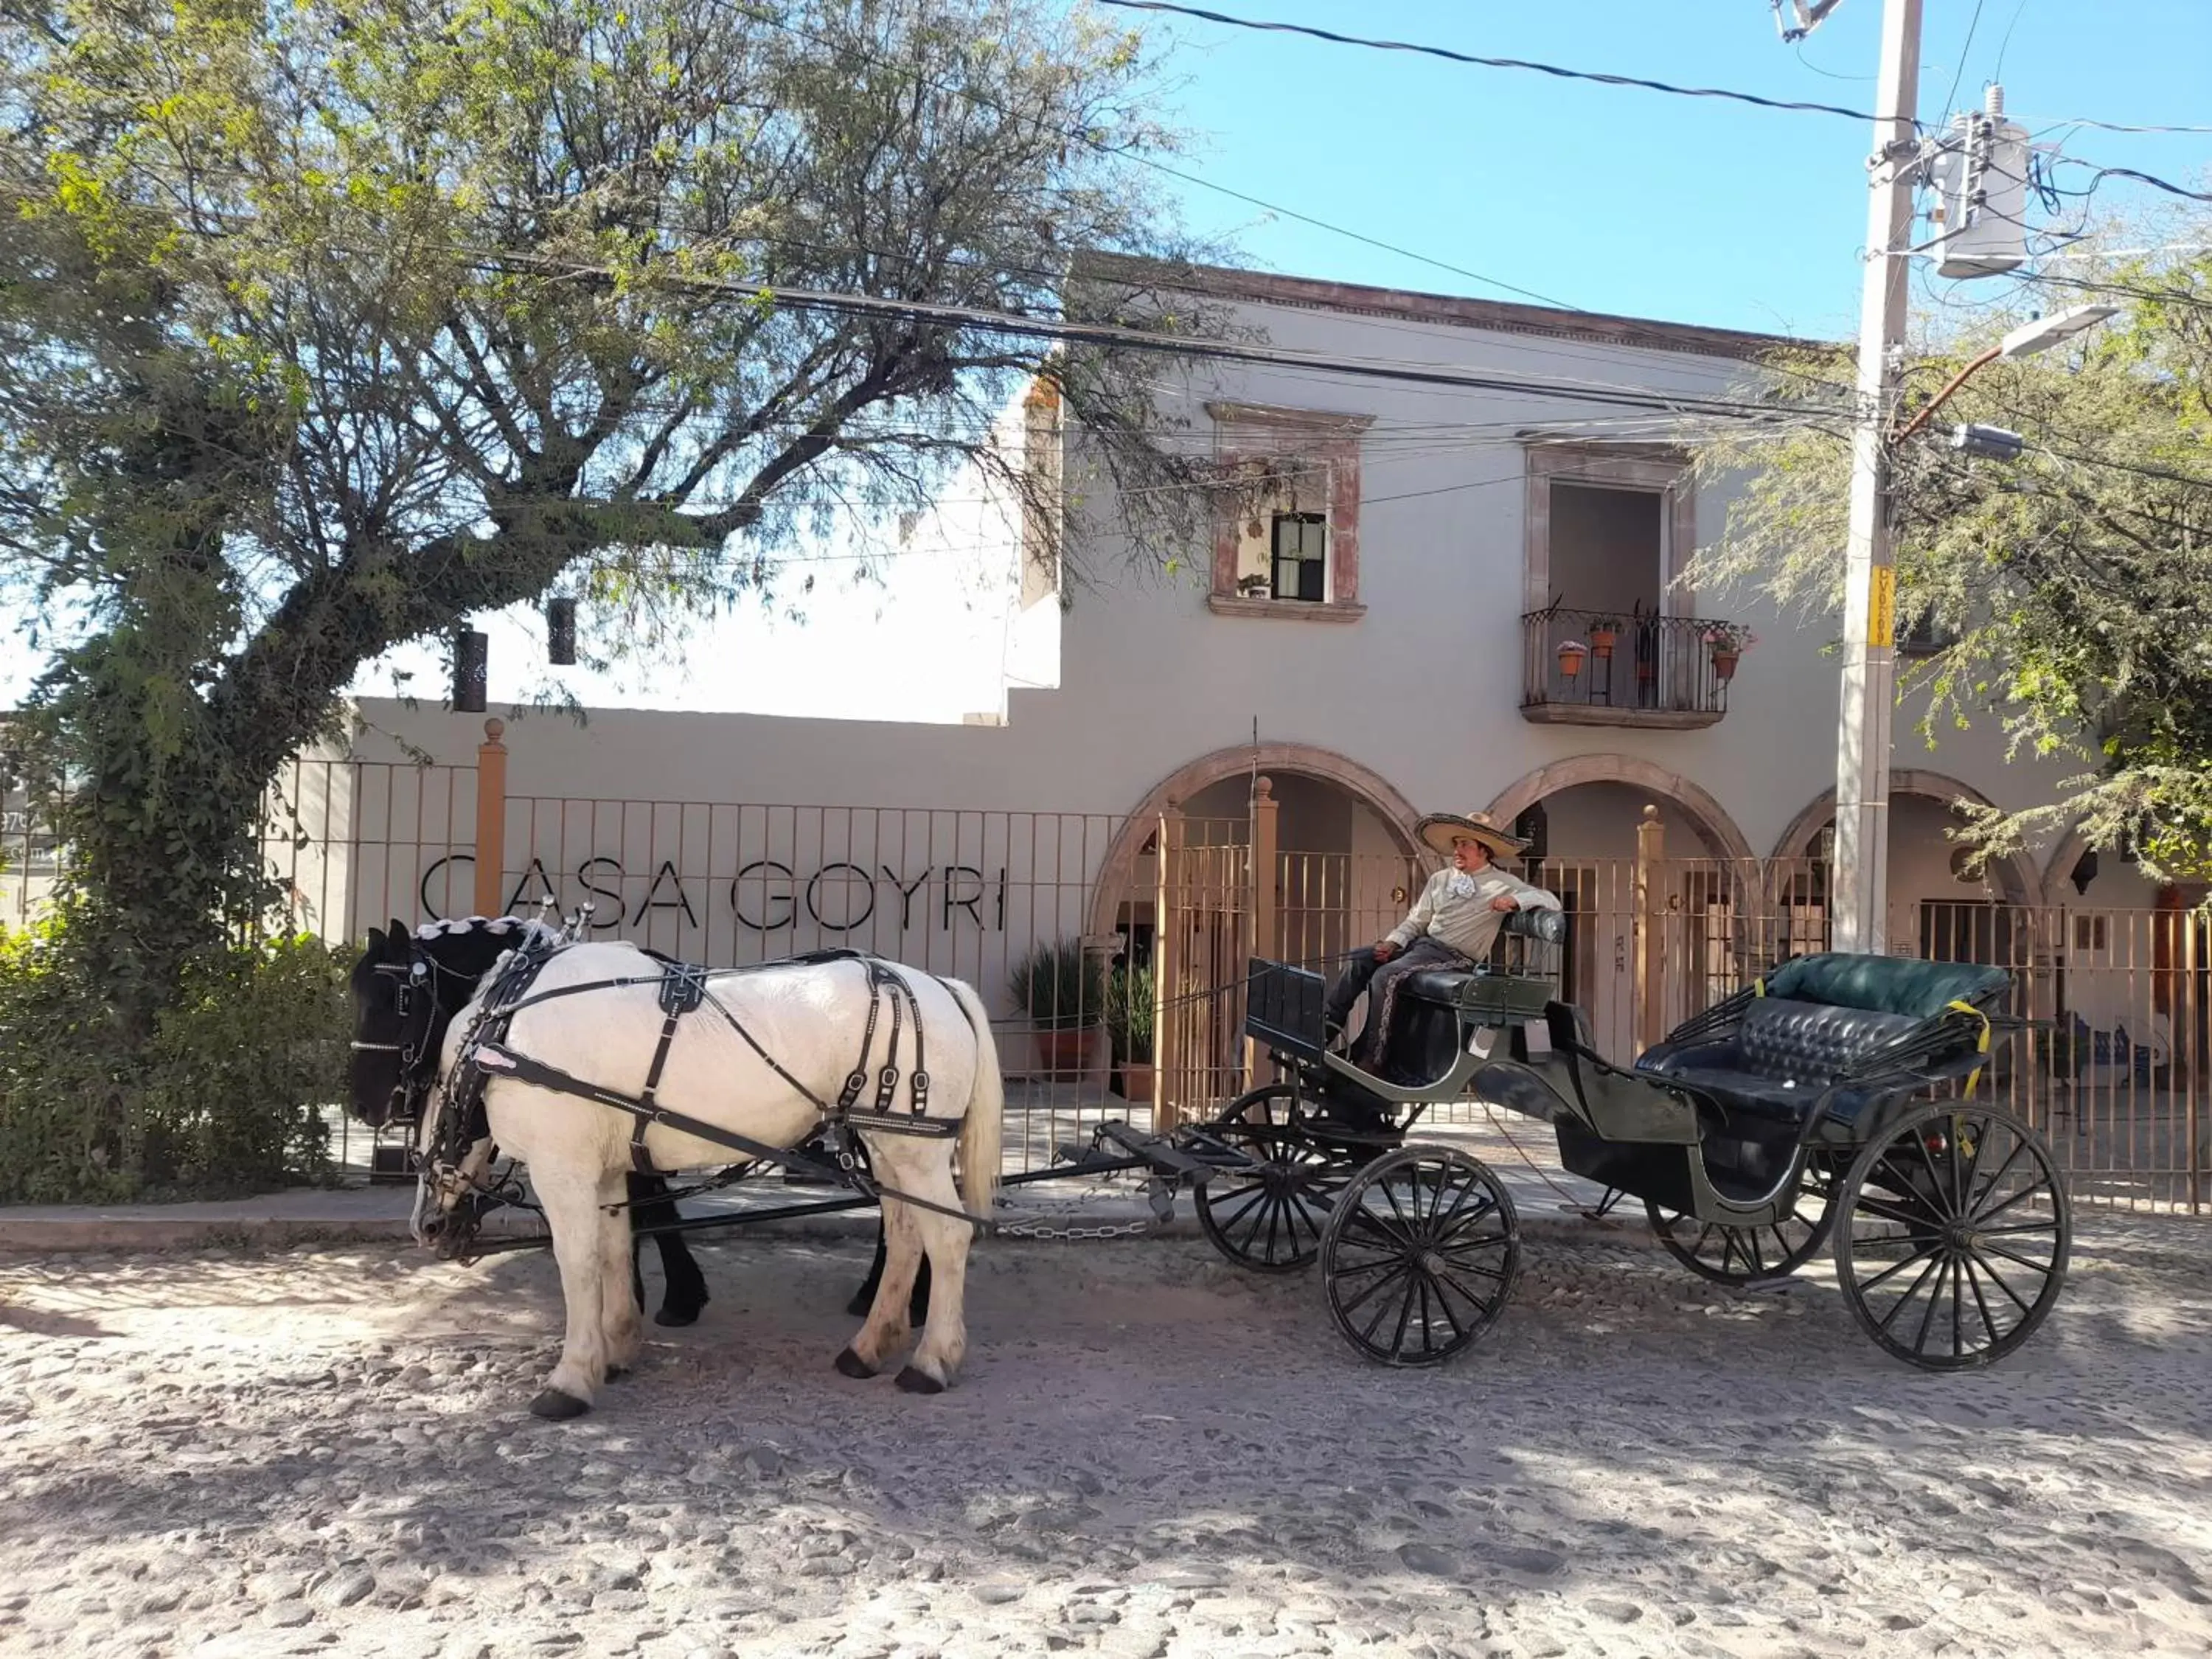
1438, 829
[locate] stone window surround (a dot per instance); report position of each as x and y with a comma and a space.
1326, 438
1661, 468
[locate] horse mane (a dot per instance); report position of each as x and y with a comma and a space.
520, 927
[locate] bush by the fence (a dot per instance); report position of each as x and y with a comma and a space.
227, 1097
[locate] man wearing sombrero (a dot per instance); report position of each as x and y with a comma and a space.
1451, 926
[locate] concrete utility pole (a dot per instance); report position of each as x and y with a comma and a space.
1861, 900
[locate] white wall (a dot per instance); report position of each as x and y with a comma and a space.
1424, 690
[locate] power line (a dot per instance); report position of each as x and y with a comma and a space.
1109, 335
1357, 236
1448, 54
1958, 70
1091, 143
2005, 44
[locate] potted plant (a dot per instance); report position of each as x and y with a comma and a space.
1728, 642
1571, 657
1062, 989
1253, 586
1603, 631
1129, 1026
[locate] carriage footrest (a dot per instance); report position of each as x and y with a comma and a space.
1075, 1157
1162, 1155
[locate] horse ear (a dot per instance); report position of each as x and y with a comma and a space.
375, 943
398, 937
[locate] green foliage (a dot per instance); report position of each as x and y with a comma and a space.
1059, 986
327, 326
227, 1095
2070, 583
1129, 1014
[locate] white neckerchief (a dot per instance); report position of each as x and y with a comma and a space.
1460, 886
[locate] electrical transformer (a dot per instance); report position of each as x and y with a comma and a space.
1980, 176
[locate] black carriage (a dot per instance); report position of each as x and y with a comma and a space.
1832, 1099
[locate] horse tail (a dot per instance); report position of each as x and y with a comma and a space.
982, 1127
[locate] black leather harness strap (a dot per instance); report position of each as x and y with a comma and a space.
505, 1062
682, 988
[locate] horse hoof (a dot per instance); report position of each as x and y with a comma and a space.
915, 1382
556, 1406
676, 1316
851, 1364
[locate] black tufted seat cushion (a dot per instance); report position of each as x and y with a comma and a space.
1782, 1058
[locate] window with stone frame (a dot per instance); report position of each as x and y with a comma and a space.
1286, 538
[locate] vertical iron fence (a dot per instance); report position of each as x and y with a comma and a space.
1113, 954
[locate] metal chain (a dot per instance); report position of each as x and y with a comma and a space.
1159, 1193
1104, 1230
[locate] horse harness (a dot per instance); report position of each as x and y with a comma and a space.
683, 989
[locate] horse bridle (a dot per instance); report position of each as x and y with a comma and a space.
411, 1093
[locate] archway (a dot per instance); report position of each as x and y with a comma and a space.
1278, 761
2022, 883
1706, 817
1705, 897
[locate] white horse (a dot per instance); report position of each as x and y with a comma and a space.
806, 1022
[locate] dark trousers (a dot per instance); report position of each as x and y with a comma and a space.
1380, 981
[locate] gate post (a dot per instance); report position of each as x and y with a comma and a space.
1265, 940
491, 818
1169, 1048
2189, 1067
1650, 902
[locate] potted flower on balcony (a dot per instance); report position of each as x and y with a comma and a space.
1129, 1025
1728, 642
1603, 631
1571, 653
1062, 989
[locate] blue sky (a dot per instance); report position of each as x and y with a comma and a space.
1605, 198
1618, 200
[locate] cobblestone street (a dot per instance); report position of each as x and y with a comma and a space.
325, 1450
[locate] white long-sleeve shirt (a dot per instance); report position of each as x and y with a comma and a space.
1453, 908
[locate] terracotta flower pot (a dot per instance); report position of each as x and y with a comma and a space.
1601, 641
1724, 664
1137, 1081
1067, 1052
1571, 662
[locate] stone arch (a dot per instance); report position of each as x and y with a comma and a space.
2017, 873
1706, 815
1367, 786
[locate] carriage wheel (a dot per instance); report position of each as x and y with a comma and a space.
1747, 1256
1421, 1252
1268, 1216
1954, 1236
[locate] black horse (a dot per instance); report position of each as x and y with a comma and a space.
397, 1012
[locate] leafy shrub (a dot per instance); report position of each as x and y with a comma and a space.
229, 1097
1129, 1015
1059, 986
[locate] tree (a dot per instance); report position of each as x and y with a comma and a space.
324, 325
2068, 585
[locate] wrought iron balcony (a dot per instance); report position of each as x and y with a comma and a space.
1587, 668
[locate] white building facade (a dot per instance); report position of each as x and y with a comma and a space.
1376, 629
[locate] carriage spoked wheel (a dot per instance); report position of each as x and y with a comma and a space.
1953, 1236
1420, 1254
1751, 1255
1269, 1217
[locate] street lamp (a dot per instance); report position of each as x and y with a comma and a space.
2025, 341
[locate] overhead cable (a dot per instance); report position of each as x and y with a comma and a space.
1452, 55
